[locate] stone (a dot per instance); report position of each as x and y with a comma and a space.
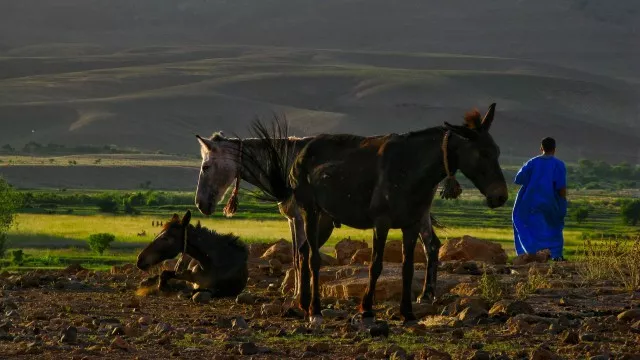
239, 323
69, 335
271, 309
629, 315
245, 298
144, 320
541, 353
334, 314
328, 260
248, 348
361, 256
379, 329
432, 354
288, 283
318, 348
472, 314
281, 251
469, 248
480, 355
345, 249
541, 256
510, 308
258, 249
201, 297
119, 343
276, 266
570, 337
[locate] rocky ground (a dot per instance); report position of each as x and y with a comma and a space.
484, 311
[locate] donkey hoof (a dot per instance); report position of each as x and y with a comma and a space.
427, 299
315, 320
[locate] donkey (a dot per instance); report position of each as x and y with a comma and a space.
219, 263
227, 161
385, 182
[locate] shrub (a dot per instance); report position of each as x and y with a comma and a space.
630, 212
100, 242
580, 214
107, 204
128, 207
490, 288
17, 257
9, 203
614, 260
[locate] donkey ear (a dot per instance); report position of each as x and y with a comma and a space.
461, 131
205, 143
488, 117
186, 218
175, 217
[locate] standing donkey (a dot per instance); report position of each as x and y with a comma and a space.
227, 161
382, 183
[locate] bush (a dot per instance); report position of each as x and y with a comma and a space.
107, 204
17, 257
128, 207
630, 212
490, 288
580, 214
100, 242
9, 203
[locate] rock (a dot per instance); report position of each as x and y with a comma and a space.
395, 352
334, 314
12, 314
201, 297
474, 301
480, 355
510, 308
289, 281
165, 340
457, 334
8, 304
570, 337
239, 323
271, 309
541, 353
281, 251
541, 256
345, 249
469, 248
328, 260
587, 337
361, 256
276, 266
248, 348
258, 249
432, 354
162, 328
144, 320
381, 328
636, 327
318, 348
245, 298
119, 343
69, 335
393, 251
517, 326
465, 289
629, 315
117, 330
472, 314
423, 310
600, 357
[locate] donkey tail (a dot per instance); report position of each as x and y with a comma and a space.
270, 161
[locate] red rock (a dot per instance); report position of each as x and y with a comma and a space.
345, 249
281, 251
469, 248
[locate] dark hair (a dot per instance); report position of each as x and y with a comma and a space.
548, 144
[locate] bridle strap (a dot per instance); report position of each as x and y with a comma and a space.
445, 153
184, 250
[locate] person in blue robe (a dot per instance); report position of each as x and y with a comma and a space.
541, 203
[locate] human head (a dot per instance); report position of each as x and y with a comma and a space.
548, 145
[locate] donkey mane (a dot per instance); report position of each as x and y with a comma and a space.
208, 235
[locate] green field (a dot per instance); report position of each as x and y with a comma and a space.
53, 235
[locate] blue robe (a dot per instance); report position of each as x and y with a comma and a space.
539, 211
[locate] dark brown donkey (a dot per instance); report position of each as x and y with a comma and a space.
220, 260
383, 183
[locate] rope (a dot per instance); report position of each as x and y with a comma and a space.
451, 188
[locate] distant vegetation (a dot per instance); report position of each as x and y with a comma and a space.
591, 175
9, 202
34, 148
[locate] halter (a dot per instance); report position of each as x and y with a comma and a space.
232, 204
451, 188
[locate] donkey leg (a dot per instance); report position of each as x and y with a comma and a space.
304, 300
431, 245
301, 239
409, 238
324, 230
375, 269
294, 253
165, 276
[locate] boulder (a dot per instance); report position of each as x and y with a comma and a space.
541, 256
281, 251
345, 249
361, 256
469, 248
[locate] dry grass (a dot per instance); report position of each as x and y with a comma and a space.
490, 288
612, 260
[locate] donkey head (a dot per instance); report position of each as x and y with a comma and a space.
219, 169
168, 244
477, 156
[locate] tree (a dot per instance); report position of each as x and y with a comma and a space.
9, 203
580, 214
630, 212
107, 204
100, 242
